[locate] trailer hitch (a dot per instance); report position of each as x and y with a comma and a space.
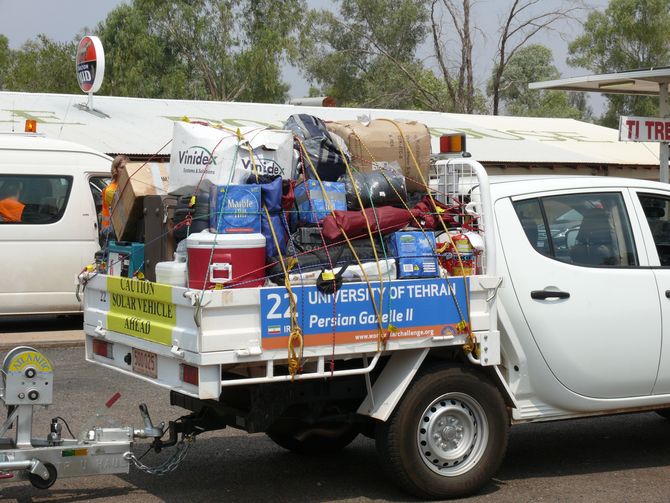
188, 426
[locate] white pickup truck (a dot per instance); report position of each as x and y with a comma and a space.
570, 317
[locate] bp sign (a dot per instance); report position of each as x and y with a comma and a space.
90, 63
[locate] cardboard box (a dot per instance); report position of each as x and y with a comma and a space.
312, 204
415, 254
235, 209
380, 140
136, 180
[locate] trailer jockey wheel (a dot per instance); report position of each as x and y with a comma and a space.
39, 483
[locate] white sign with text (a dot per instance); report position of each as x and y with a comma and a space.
652, 129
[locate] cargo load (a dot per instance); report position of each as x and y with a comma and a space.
381, 140
225, 260
228, 156
235, 209
381, 187
321, 156
136, 180
315, 201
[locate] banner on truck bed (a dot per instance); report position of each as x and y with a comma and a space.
141, 309
417, 308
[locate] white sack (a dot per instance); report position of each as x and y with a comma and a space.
197, 148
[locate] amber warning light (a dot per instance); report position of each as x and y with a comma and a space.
31, 126
452, 143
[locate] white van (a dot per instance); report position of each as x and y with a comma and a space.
60, 185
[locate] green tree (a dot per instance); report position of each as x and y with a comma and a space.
5, 56
532, 63
223, 49
42, 65
629, 34
139, 62
521, 23
365, 55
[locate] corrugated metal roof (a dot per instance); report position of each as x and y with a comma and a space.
642, 82
144, 127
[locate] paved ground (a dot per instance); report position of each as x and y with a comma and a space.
618, 459
609, 460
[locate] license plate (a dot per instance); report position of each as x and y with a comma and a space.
145, 363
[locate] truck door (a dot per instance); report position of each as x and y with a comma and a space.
653, 209
578, 268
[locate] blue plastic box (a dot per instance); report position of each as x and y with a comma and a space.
415, 254
235, 209
311, 203
125, 259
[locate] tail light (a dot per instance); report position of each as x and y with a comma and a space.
102, 348
189, 374
452, 143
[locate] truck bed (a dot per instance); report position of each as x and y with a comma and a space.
240, 336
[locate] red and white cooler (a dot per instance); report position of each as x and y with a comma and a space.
238, 260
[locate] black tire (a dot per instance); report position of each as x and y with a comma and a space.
665, 413
453, 410
39, 483
316, 440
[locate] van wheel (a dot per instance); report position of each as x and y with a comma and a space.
319, 439
447, 436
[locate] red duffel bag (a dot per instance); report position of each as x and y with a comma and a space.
386, 218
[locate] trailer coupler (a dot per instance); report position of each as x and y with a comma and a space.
27, 381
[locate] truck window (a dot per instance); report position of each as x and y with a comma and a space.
33, 199
582, 229
657, 210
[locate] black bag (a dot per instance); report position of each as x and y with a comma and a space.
383, 187
312, 255
199, 215
320, 146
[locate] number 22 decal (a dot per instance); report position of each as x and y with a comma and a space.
277, 299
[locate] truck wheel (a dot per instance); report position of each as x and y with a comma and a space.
314, 440
447, 436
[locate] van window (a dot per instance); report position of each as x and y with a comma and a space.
581, 229
657, 210
97, 184
33, 199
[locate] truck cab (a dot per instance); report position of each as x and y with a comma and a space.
585, 294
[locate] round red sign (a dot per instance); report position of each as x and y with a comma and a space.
90, 63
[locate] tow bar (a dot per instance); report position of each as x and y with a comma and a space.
27, 381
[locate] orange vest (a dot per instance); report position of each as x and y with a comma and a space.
11, 210
107, 200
